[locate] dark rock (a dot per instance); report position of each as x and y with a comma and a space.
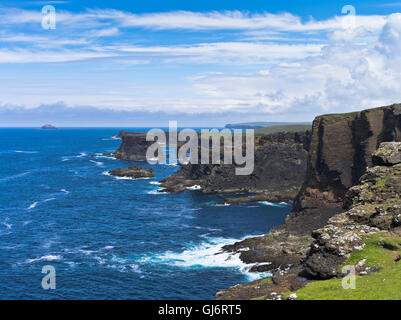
340, 151
133, 172
339, 154
374, 205
280, 166
133, 146
48, 127
388, 154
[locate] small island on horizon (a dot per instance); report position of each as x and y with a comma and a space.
48, 127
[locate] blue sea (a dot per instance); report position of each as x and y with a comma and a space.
110, 238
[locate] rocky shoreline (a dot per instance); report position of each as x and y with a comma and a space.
319, 171
333, 168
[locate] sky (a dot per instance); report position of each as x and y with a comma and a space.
202, 63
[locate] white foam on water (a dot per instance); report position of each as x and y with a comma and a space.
207, 254
33, 205
155, 182
45, 258
87, 252
131, 178
7, 225
98, 163
271, 204
81, 155
50, 199
106, 173
158, 191
65, 191
101, 156
19, 175
195, 187
222, 204
27, 152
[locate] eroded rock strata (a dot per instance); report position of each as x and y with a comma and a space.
373, 206
133, 146
279, 171
340, 153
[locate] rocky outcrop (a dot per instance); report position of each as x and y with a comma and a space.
134, 172
388, 154
280, 166
340, 151
133, 146
374, 205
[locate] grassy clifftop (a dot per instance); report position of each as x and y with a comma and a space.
381, 253
284, 128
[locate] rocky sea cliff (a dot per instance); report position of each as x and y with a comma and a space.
327, 172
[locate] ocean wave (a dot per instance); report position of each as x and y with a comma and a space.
155, 182
19, 175
98, 163
271, 204
106, 173
158, 191
102, 156
33, 205
207, 254
65, 191
7, 225
81, 155
27, 152
45, 258
129, 178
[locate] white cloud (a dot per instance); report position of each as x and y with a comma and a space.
324, 66
343, 77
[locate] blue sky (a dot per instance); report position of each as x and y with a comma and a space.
203, 63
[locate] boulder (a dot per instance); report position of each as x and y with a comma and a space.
388, 154
133, 172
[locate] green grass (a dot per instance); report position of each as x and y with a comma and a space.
284, 128
380, 251
263, 281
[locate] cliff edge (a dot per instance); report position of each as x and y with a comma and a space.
340, 152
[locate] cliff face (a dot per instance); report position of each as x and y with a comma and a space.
279, 170
373, 205
341, 148
340, 151
280, 167
133, 146
372, 223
